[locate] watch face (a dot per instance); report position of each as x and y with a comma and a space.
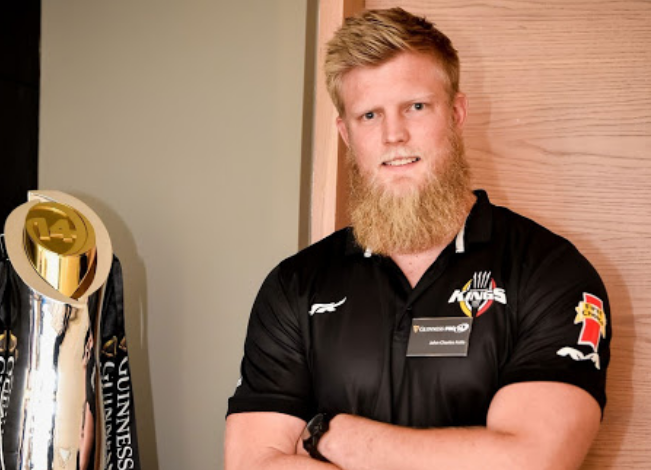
315, 428
316, 425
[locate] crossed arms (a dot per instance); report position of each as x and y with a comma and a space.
530, 425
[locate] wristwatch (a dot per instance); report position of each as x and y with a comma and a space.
313, 432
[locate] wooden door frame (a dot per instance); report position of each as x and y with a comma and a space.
329, 182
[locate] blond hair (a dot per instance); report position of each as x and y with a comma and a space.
376, 36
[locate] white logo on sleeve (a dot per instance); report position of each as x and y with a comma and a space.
579, 356
322, 308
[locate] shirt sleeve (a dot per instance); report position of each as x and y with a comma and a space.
564, 327
274, 371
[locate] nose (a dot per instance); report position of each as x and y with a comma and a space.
394, 129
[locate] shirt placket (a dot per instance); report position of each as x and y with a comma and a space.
407, 308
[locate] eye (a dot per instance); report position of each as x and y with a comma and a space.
418, 106
368, 116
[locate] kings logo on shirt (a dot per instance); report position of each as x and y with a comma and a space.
478, 294
590, 312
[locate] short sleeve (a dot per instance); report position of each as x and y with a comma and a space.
563, 325
274, 371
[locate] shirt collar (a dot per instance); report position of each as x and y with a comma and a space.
479, 224
352, 247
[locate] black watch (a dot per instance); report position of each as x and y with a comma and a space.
313, 432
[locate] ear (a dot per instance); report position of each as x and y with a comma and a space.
460, 109
343, 130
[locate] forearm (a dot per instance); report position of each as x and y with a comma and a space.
533, 425
270, 459
267, 441
356, 443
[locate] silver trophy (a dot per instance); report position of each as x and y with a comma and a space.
60, 395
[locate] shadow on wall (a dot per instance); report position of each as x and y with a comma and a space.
136, 310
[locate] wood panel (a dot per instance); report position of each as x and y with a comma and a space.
329, 181
560, 131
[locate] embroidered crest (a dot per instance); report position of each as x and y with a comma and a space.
478, 294
590, 312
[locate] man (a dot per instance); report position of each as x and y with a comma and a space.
440, 331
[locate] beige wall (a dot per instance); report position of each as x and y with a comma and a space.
180, 123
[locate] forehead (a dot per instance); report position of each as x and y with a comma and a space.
404, 77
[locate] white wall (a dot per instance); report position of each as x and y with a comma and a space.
180, 123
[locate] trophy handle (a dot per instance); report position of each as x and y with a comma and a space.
14, 227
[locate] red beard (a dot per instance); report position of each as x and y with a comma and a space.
426, 217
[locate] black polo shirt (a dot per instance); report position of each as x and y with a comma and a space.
330, 327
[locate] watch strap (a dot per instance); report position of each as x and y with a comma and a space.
314, 430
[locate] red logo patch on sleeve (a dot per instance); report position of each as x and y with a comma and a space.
590, 312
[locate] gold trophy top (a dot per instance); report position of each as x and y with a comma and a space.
60, 244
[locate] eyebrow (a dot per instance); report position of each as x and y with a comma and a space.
418, 99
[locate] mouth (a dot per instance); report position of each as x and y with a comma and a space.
401, 161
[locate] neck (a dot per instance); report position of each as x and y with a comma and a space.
414, 265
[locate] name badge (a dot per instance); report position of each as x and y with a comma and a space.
434, 337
